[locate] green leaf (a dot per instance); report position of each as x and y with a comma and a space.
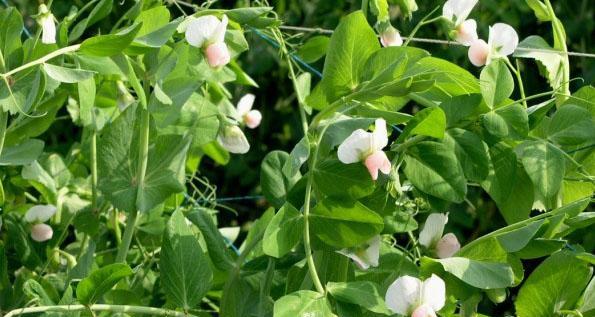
496, 83
433, 168
352, 42
11, 23
545, 166
314, 49
303, 303
429, 122
517, 239
67, 75
36, 292
472, 153
216, 246
276, 184
539, 9
247, 15
483, 275
555, 285
100, 11
91, 288
25, 93
284, 231
334, 178
297, 157
110, 44
185, 271
584, 97
365, 294
459, 109
551, 65
87, 93
571, 125
507, 122
21, 154
156, 29
344, 223
118, 163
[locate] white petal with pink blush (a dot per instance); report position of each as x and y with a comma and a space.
391, 37
365, 256
232, 139
245, 113
457, 11
40, 213
409, 296
41, 232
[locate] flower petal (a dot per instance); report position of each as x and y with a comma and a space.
403, 295
200, 30
466, 33
503, 39
433, 229
245, 104
447, 246
355, 147
377, 161
423, 311
219, 33
217, 54
40, 213
380, 134
48, 27
41, 232
365, 256
457, 11
434, 292
391, 37
478, 53
233, 140
252, 119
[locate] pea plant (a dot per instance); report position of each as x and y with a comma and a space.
393, 143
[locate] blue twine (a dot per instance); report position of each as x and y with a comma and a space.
24, 28
295, 58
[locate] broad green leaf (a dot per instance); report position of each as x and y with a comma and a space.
429, 122
41, 180
352, 42
276, 184
216, 246
539, 9
344, 223
185, 271
197, 115
87, 111
551, 65
365, 294
334, 178
483, 275
67, 75
496, 83
303, 303
314, 49
247, 15
472, 153
297, 157
84, 263
100, 11
21, 154
460, 109
91, 288
380, 9
555, 285
11, 23
584, 97
540, 247
545, 166
433, 168
110, 44
25, 92
118, 163
156, 29
517, 239
283, 232
36, 292
507, 122
571, 125
508, 184
588, 299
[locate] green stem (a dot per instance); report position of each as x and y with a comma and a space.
127, 238
365, 7
307, 247
421, 23
519, 80
152, 311
43, 59
94, 170
560, 44
3, 125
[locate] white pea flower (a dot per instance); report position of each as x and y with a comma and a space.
232, 138
40, 213
41, 232
457, 11
367, 147
48, 25
431, 236
208, 32
246, 115
409, 296
503, 41
391, 37
364, 256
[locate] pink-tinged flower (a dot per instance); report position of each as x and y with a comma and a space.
41, 232
48, 25
391, 37
478, 53
431, 236
457, 11
367, 147
364, 256
245, 113
409, 296
232, 138
208, 33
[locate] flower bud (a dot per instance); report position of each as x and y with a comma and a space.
478, 52
252, 119
423, 311
391, 37
496, 295
233, 139
447, 246
48, 26
217, 54
41, 232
